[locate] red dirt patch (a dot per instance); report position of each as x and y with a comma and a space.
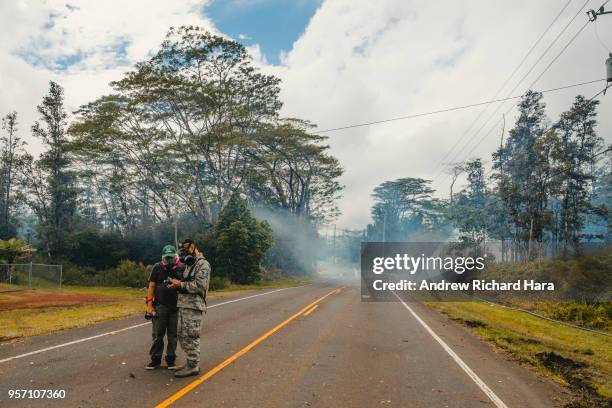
36, 300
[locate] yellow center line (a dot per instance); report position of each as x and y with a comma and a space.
312, 309
182, 392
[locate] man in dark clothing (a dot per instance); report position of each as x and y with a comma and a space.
161, 304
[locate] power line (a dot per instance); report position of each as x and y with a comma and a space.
551, 126
505, 83
467, 106
530, 86
524, 77
416, 115
559, 54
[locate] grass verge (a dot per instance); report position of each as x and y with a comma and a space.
578, 359
29, 312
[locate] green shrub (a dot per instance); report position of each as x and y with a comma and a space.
585, 278
597, 316
76, 275
127, 273
238, 242
219, 282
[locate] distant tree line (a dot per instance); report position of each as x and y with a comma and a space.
549, 190
184, 134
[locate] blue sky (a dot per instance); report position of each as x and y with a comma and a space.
273, 24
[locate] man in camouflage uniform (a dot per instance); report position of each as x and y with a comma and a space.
192, 290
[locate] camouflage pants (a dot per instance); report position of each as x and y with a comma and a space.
189, 324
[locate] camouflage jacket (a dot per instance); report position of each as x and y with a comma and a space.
192, 294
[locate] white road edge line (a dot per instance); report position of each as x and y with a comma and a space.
494, 398
110, 333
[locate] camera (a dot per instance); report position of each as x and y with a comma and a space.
167, 281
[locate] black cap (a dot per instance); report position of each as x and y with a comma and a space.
188, 241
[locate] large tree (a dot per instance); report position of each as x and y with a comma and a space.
189, 128
294, 171
578, 145
50, 180
192, 126
11, 156
520, 182
405, 207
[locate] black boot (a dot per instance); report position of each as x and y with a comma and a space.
153, 364
171, 363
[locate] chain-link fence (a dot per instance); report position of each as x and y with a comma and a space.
29, 275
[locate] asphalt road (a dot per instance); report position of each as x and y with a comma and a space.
272, 350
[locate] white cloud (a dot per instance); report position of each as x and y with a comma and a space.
101, 39
357, 61
377, 60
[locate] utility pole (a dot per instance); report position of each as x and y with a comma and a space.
592, 14
384, 234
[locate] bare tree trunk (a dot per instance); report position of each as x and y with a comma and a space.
530, 238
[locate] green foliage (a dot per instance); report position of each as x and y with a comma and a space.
545, 178
195, 124
521, 180
293, 172
10, 251
12, 155
584, 278
406, 207
100, 250
219, 282
239, 243
78, 275
188, 128
593, 315
50, 182
469, 209
14, 248
126, 274
577, 143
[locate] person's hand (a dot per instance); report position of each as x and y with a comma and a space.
175, 284
150, 310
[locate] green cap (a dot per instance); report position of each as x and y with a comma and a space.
168, 250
